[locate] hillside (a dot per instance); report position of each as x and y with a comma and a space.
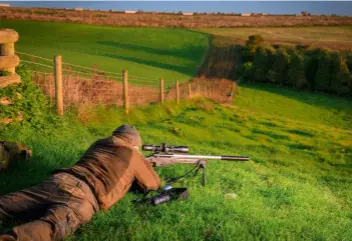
296, 186
151, 53
167, 20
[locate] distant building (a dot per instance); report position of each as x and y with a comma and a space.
78, 9
245, 14
187, 14
5, 5
128, 11
90, 9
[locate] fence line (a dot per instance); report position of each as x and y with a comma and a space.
83, 67
34, 56
69, 89
78, 66
45, 65
134, 78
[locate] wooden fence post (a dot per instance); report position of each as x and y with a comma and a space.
190, 90
177, 92
8, 49
58, 85
162, 90
125, 90
8, 59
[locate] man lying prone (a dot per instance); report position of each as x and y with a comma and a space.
70, 197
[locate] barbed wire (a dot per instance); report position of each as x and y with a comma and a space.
79, 72
35, 71
78, 66
49, 66
93, 70
34, 56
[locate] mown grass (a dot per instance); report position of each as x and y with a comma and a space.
336, 37
173, 54
297, 185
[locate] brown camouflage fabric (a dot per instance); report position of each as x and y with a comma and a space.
71, 196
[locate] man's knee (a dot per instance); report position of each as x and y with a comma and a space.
34, 231
63, 221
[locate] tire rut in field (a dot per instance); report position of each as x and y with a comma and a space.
221, 60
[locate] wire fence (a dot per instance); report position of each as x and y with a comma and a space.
78, 90
42, 64
88, 86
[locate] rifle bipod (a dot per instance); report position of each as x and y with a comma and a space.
201, 164
170, 193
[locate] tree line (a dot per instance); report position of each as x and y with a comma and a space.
301, 67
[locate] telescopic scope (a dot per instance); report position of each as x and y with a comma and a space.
165, 148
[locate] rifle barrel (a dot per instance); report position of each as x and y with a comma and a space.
227, 158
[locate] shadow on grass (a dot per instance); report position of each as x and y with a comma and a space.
186, 52
187, 70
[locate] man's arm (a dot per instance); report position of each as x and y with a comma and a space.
146, 177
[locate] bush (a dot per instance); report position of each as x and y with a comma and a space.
27, 100
310, 68
349, 61
295, 73
262, 62
340, 74
245, 71
253, 42
323, 75
301, 67
277, 74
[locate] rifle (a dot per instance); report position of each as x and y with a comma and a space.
166, 155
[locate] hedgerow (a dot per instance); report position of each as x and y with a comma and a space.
301, 67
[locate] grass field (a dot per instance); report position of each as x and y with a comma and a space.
173, 54
336, 37
297, 185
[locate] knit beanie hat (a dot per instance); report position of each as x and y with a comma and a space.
128, 133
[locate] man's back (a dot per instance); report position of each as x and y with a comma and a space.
109, 167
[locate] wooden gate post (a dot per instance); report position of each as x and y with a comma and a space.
162, 90
125, 91
58, 85
8, 59
177, 92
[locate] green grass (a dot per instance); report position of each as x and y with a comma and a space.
297, 185
329, 36
173, 54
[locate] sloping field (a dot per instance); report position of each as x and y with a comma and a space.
297, 185
173, 54
335, 37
